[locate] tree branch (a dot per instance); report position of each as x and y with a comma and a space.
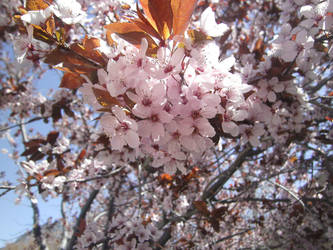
286, 200
82, 216
211, 190
95, 177
7, 189
36, 227
22, 123
217, 183
106, 228
314, 89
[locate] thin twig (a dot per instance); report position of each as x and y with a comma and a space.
22, 123
320, 84
289, 191
266, 200
8, 187
95, 177
323, 106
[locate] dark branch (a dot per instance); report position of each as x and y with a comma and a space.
36, 227
82, 216
96, 177
217, 184
212, 189
106, 228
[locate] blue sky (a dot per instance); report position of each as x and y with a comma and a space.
17, 219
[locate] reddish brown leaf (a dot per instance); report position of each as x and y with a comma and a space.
198, 36
81, 155
91, 43
43, 35
38, 177
182, 11
88, 49
59, 55
51, 172
30, 151
36, 156
71, 81
52, 137
37, 4
68, 111
34, 143
215, 224
126, 31
166, 177
161, 13
60, 163
201, 206
145, 25
145, 6
72, 63
50, 25
132, 33
125, 6
218, 212
56, 113
104, 98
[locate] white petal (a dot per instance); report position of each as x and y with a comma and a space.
271, 96
117, 142
132, 139
231, 128
209, 26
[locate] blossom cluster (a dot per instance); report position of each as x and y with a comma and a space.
172, 106
240, 76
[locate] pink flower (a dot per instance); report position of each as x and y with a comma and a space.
69, 11
169, 62
268, 89
289, 49
149, 95
201, 91
252, 133
117, 84
37, 17
121, 129
195, 143
89, 96
233, 114
209, 26
177, 130
153, 125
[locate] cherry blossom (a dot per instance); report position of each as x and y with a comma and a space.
121, 129
218, 137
